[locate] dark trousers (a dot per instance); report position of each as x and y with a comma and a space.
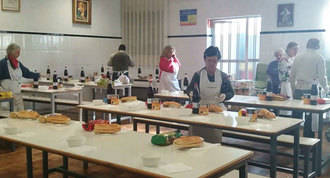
308, 116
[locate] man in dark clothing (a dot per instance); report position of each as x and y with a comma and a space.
120, 61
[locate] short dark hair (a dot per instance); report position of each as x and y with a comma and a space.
292, 44
122, 47
313, 43
212, 51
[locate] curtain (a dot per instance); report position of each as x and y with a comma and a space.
144, 30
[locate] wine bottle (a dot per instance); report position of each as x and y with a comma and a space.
150, 93
102, 70
269, 90
108, 74
55, 84
185, 82
314, 93
66, 74
35, 81
139, 71
109, 92
82, 75
157, 73
195, 99
48, 73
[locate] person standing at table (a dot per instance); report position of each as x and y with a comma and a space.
169, 67
284, 68
272, 71
214, 87
120, 61
11, 73
307, 69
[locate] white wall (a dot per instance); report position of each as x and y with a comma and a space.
55, 16
307, 15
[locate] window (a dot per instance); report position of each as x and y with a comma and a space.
239, 42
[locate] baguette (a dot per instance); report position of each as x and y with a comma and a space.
171, 104
24, 115
106, 128
128, 98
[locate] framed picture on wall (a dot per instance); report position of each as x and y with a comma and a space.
82, 11
285, 14
11, 5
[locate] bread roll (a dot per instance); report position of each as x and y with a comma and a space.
215, 108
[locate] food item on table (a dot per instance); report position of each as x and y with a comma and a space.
264, 113
242, 112
106, 128
102, 82
278, 97
215, 108
114, 101
188, 141
90, 125
171, 104
128, 98
203, 110
155, 106
254, 117
6, 94
55, 119
262, 96
25, 114
13, 115
270, 115
165, 138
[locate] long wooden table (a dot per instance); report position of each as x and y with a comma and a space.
225, 121
122, 150
292, 105
53, 93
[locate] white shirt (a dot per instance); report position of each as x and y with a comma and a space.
306, 68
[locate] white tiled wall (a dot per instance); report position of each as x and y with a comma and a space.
39, 51
55, 16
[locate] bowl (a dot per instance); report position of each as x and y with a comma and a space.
11, 130
75, 141
150, 160
98, 102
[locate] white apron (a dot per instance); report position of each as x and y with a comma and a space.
14, 85
168, 81
208, 92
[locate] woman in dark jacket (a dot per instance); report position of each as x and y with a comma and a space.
11, 73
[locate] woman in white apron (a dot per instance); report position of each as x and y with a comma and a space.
11, 73
169, 68
285, 69
214, 87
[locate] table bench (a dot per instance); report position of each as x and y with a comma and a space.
307, 145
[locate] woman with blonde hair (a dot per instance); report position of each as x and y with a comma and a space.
169, 68
11, 73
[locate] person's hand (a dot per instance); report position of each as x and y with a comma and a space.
220, 98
